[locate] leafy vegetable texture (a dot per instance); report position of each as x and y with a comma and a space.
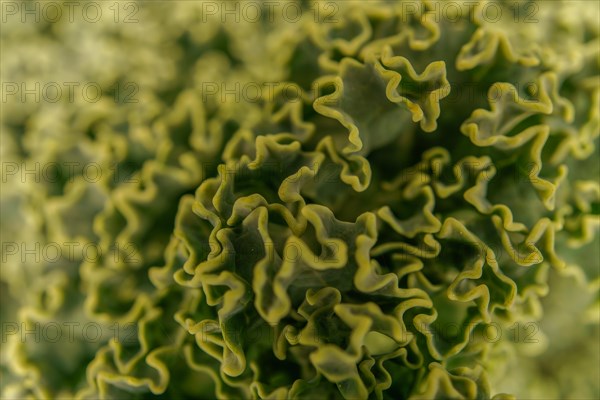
304, 200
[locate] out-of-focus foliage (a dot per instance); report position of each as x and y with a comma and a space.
414, 185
